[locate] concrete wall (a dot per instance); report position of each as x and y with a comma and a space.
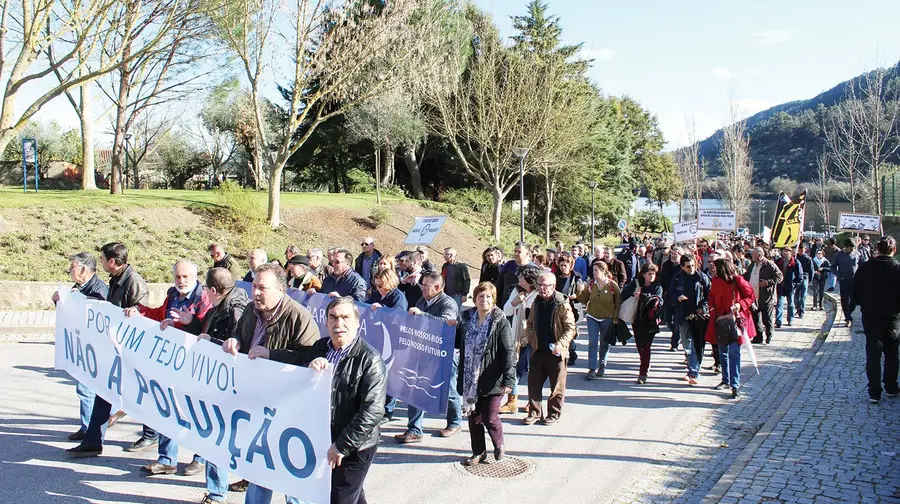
23, 296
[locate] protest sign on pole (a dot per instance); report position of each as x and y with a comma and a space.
417, 349
425, 230
859, 223
264, 421
686, 231
717, 220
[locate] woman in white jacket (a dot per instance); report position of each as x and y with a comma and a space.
516, 309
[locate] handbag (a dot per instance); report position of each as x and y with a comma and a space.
628, 309
729, 327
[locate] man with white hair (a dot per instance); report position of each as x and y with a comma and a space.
456, 277
258, 257
316, 265
185, 301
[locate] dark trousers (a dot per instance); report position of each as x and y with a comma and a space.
881, 339
348, 478
676, 336
545, 365
762, 319
818, 288
847, 303
717, 361
100, 417
644, 354
486, 416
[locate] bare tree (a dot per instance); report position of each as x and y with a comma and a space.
82, 34
843, 146
689, 169
337, 54
822, 189
876, 120
737, 167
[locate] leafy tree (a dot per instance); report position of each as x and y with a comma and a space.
662, 181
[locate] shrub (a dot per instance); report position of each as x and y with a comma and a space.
380, 215
360, 181
241, 211
475, 200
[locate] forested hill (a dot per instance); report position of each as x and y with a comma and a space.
785, 139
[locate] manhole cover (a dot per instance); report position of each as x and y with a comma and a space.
509, 467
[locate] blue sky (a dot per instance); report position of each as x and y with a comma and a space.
679, 57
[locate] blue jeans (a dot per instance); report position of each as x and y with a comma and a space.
168, 452
687, 341
454, 406
786, 298
389, 404
831, 281
598, 350
730, 358
458, 299
86, 398
216, 483
800, 297
261, 495
522, 368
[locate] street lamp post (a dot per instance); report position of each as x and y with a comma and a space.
759, 208
122, 176
593, 187
521, 152
761, 221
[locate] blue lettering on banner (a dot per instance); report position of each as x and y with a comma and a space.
417, 350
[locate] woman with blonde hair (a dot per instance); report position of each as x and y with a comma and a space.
602, 298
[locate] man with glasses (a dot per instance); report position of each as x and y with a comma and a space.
864, 249
366, 261
343, 281
550, 330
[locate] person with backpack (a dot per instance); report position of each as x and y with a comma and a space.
649, 311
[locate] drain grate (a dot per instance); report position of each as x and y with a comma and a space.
509, 467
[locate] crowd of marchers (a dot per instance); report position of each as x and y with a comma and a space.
517, 333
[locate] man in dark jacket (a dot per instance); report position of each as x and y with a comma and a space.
435, 304
875, 291
410, 265
844, 268
689, 296
508, 278
631, 261
792, 274
222, 259
83, 271
831, 252
765, 277
358, 390
343, 281
456, 277
616, 267
367, 261
671, 265
806, 266
273, 327
126, 289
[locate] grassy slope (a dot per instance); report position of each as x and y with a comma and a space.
39, 231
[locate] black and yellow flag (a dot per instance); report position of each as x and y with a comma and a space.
788, 225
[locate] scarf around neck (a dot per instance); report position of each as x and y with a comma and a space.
475, 344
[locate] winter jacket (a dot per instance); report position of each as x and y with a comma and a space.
489, 273
220, 322
844, 267
644, 329
498, 367
602, 302
309, 281
630, 260
807, 265
822, 269
393, 299
412, 292
507, 281
93, 288
198, 305
358, 392
831, 252
443, 307
230, 263
349, 284
792, 273
456, 279
574, 280
358, 265
695, 287
292, 329
562, 324
581, 267
721, 296
128, 289
875, 291
617, 268
771, 275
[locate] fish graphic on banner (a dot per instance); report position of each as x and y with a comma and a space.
788, 225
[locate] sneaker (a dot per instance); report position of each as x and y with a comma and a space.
874, 400
721, 386
407, 438
592, 375
893, 394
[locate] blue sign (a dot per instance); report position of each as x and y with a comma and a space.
417, 349
622, 225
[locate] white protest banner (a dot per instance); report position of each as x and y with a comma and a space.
717, 220
262, 420
425, 230
686, 231
859, 223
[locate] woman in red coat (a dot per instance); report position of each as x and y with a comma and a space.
729, 293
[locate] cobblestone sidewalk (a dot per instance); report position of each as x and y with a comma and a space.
11, 320
690, 470
831, 446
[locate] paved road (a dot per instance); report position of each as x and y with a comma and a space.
617, 441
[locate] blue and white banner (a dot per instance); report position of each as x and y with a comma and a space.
262, 420
417, 349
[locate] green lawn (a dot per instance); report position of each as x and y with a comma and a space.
13, 197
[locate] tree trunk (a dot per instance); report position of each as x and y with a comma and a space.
88, 171
115, 185
415, 173
377, 175
495, 220
275, 197
136, 173
387, 173
548, 193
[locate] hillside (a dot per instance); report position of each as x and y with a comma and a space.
39, 232
785, 139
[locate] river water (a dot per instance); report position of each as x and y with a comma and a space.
756, 212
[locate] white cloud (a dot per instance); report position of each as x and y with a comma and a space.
722, 73
604, 53
773, 37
